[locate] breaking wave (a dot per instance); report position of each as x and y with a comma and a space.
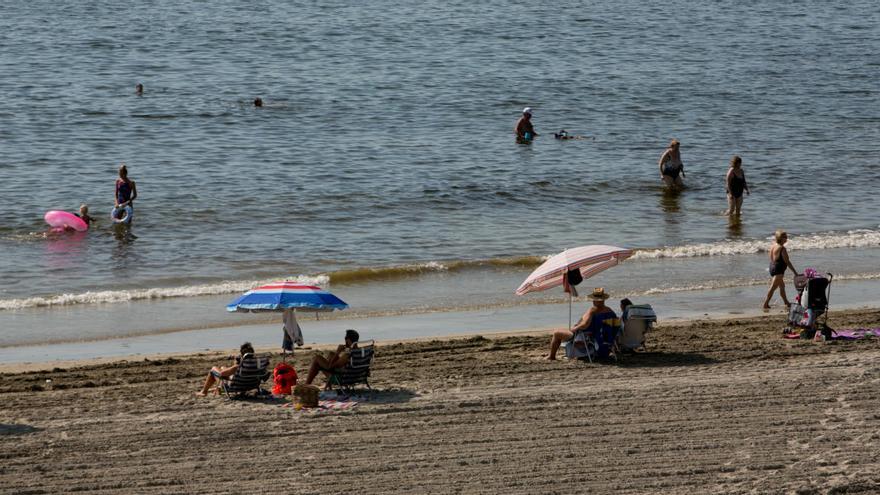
862, 238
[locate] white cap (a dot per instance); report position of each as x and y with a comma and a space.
527, 110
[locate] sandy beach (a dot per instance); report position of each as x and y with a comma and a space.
713, 407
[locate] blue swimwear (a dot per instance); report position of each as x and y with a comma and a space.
123, 191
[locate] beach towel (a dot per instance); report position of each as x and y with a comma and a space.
326, 406
855, 333
292, 331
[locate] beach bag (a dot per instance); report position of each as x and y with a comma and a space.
307, 394
284, 377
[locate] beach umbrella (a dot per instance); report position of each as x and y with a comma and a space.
585, 260
287, 297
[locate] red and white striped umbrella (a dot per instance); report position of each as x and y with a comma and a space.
590, 260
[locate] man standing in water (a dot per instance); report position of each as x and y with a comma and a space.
524, 130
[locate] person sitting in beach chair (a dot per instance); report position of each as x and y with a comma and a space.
332, 361
247, 372
596, 331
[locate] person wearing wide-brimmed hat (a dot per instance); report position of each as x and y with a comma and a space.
593, 321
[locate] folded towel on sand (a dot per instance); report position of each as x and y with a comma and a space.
844, 334
855, 333
326, 406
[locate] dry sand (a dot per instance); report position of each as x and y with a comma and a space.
713, 407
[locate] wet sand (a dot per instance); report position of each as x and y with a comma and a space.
713, 407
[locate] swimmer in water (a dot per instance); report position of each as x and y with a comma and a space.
139, 89
565, 136
524, 129
84, 214
258, 102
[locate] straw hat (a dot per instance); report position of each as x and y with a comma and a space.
599, 294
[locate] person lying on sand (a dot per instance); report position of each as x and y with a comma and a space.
218, 373
591, 322
333, 360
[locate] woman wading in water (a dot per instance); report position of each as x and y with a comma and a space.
671, 168
778, 263
736, 185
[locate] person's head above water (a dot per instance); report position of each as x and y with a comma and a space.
736, 161
83, 209
674, 143
258, 102
123, 172
527, 112
139, 89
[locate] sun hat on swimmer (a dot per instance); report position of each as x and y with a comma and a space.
599, 294
527, 110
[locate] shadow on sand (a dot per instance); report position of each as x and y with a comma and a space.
13, 430
664, 359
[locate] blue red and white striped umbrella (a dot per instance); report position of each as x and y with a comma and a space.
286, 295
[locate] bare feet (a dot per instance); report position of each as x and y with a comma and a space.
550, 358
200, 394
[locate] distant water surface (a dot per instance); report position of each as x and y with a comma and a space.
386, 137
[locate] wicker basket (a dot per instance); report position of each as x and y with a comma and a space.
307, 394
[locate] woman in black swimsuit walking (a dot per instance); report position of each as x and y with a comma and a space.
736, 184
778, 263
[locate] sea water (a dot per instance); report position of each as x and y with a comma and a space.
383, 164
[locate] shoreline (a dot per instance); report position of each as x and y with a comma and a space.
748, 318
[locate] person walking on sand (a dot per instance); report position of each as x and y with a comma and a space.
598, 316
524, 129
736, 184
778, 263
671, 168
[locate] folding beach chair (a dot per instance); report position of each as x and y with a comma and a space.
357, 370
640, 320
252, 371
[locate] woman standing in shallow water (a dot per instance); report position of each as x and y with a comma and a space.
671, 168
126, 190
736, 184
778, 263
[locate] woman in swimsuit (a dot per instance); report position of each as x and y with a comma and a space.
778, 263
671, 168
736, 184
126, 190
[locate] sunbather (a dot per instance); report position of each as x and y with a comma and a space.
219, 373
592, 321
333, 360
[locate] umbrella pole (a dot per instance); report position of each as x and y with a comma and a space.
569, 311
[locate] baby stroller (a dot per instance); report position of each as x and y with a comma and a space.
814, 292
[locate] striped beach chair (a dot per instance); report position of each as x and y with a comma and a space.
252, 371
357, 370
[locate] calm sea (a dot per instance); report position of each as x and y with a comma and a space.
385, 150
